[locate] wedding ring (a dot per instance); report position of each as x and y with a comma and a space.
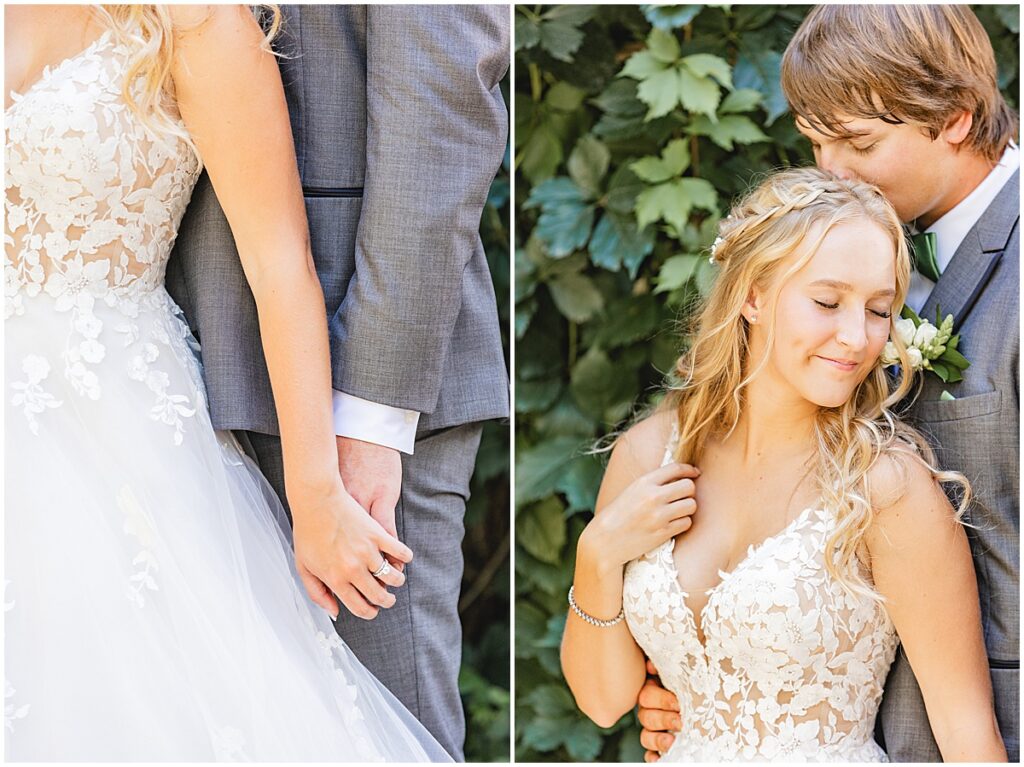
383, 570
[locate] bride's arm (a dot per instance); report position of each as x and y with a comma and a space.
638, 507
231, 98
921, 563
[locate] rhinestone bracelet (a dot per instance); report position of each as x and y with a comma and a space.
590, 618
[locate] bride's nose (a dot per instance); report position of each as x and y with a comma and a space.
852, 331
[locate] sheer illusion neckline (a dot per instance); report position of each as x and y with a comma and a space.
51, 69
752, 551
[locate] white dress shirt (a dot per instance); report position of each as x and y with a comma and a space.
951, 229
368, 421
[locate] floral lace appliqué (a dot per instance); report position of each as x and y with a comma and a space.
13, 710
352, 711
29, 394
139, 525
229, 745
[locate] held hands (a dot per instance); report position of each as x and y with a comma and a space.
338, 546
658, 712
373, 476
655, 507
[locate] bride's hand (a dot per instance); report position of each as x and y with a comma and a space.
338, 546
373, 477
653, 508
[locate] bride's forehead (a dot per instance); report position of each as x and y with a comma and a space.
855, 252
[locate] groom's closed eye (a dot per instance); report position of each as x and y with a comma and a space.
862, 150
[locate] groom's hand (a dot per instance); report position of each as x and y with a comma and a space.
373, 477
659, 716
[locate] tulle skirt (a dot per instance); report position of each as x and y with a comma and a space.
152, 609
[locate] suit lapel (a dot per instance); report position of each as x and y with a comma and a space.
976, 258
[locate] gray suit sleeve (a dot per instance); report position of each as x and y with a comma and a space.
436, 132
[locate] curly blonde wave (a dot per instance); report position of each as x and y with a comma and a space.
148, 31
706, 389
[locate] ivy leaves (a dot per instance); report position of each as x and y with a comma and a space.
668, 79
557, 31
570, 205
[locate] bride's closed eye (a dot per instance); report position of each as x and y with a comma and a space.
884, 314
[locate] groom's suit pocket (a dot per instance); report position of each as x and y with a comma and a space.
966, 434
973, 406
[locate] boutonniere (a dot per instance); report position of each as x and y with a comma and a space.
929, 347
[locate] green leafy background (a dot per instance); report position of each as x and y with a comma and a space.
484, 606
635, 127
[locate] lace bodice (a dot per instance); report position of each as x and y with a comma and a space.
93, 201
792, 666
93, 198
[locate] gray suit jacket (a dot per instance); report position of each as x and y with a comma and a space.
977, 434
399, 127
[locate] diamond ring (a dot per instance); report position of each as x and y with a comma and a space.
383, 570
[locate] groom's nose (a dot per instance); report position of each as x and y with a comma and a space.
829, 159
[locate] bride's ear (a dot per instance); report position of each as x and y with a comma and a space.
751, 310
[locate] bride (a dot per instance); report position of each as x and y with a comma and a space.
772, 532
152, 606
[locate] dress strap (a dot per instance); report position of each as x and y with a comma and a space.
670, 447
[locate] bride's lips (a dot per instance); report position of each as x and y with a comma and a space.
847, 366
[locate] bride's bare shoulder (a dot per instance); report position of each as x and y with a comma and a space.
637, 451
209, 19
645, 441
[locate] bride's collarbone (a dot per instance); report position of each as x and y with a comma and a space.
733, 516
44, 41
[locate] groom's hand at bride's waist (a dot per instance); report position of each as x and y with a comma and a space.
373, 477
658, 711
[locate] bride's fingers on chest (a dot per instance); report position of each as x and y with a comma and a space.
673, 472
679, 489
684, 507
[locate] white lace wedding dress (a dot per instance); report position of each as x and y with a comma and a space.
151, 607
791, 668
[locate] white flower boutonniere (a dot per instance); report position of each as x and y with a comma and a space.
929, 347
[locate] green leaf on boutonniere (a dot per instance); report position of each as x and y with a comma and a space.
909, 314
954, 375
954, 357
940, 370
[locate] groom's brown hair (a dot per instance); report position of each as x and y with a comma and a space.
918, 63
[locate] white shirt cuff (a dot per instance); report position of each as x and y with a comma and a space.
368, 421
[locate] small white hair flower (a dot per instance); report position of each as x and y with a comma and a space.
714, 248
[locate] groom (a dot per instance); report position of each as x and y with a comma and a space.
905, 97
399, 128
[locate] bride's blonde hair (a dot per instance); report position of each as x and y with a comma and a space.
790, 209
148, 31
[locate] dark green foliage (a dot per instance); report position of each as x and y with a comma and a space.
484, 604
635, 128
